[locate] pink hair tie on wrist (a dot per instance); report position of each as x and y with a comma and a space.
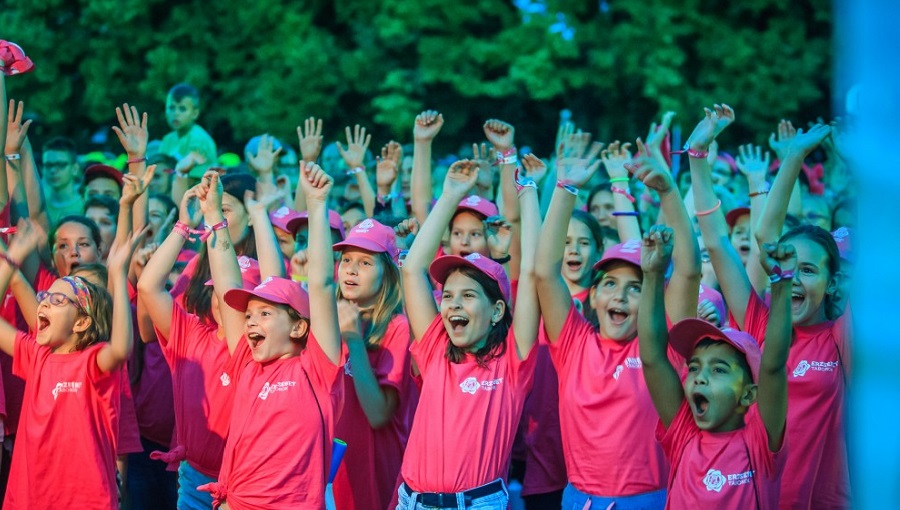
709, 211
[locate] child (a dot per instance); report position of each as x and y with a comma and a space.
186, 137
725, 453
61, 176
102, 180
285, 368
73, 384
104, 211
379, 394
476, 363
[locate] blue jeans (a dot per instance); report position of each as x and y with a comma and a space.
189, 498
574, 499
148, 484
496, 501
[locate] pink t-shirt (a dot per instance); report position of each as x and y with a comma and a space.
279, 445
817, 370
724, 470
202, 390
606, 415
129, 438
66, 443
467, 417
153, 400
368, 474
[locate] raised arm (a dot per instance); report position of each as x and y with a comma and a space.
754, 166
779, 262
417, 290
614, 158
223, 263
354, 157
23, 242
263, 162
310, 139
653, 335
133, 134
725, 259
271, 261
780, 143
526, 316
134, 189
324, 325
428, 125
387, 181
502, 138
577, 161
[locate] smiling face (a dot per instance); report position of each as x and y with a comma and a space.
467, 235
467, 312
360, 276
718, 387
812, 283
58, 324
271, 332
73, 246
615, 300
580, 254
740, 237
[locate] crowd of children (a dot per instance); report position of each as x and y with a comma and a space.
600, 328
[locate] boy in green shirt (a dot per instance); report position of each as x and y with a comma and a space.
187, 139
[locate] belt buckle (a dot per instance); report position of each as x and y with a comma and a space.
446, 504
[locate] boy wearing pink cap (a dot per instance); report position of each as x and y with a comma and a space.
285, 368
725, 452
475, 359
379, 395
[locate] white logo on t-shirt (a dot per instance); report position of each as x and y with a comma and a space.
225, 379
618, 371
269, 388
817, 366
714, 480
471, 385
348, 370
66, 387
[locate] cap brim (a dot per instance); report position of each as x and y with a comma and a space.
239, 298
686, 333
364, 244
605, 262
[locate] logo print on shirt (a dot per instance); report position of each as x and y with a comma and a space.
471, 385
618, 371
816, 366
348, 370
714, 480
270, 388
225, 379
66, 387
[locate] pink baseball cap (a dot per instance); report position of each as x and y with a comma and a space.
14, 59
334, 221
735, 214
686, 334
443, 266
97, 171
479, 205
281, 218
371, 235
249, 272
629, 251
274, 290
845, 246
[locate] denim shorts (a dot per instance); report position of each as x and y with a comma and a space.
574, 499
495, 501
189, 498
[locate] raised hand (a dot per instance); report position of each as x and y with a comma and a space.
134, 186
707, 311
16, 130
656, 250
298, 264
263, 204
614, 158
210, 194
651, 170
408, 227
535, 168
714, 122
26, 240
804, 143
777, 259
781, 142
123, 248
315, 182
484, 156
388, 165
132, 131
461, 177
576, 159
188, 162
266, 155
428, 125
499, 236
310, 138
141, 257
166, 227
658, 133
357, 143
189, 211
752, 164
500, 134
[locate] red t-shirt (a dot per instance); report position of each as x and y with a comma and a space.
606, 415
66, 444
818, 367
202, 390
467, 417
724, 470
277, 454
368, 474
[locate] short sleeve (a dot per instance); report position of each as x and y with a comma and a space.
24, 354
522, 370
240, 358
432, 345
674, 439
756, 318
182, 328
569, 344
322, 371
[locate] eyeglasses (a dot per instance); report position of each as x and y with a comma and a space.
56, 298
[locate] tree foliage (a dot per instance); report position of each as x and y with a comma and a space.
263, 66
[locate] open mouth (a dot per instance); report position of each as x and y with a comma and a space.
42, 322
464, 253
700, 404
574, 265
797, 298
744, 249
458, 323
255, 340
617, 316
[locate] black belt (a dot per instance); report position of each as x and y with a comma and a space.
448, 499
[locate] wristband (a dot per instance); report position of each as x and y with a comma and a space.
207, 230
12, 263
13, 156
8, 230
779, 275
387, 198
136, 160
625, 213
619, 179
566, 185
502, 260
623, 192
710, 211
693, 153
761, 191
508, 157
523, 182
299, 279
356, 170
183, 230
